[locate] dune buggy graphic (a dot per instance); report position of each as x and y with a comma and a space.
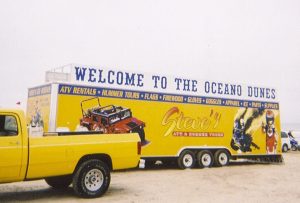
111, 119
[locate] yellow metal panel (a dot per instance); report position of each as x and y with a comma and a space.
59, 155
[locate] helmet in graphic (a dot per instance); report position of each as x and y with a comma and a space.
270, 117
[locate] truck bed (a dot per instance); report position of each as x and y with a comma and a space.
73, 133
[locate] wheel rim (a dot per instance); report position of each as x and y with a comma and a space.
93, 180
206, 160
188, 160
284, 148
223, 159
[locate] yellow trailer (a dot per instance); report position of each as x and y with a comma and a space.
194, 122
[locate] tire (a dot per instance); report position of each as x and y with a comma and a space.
284, 148
60, 182
141, 133
294, 148
205, 159
91, 179
150, 163
221, 158
186, 159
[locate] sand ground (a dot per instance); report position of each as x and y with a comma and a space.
238, 182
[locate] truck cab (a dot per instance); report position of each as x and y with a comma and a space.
13, 146
83, 159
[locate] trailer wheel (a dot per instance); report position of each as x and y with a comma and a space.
91, 179
186, 159
205, 159
60, 182
221, 158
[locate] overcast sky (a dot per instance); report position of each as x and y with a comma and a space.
252, 42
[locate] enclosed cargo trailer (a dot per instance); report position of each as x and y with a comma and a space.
191, 121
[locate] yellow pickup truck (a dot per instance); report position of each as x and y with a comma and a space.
81, 159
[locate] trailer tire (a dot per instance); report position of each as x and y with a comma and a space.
205, 159
186, 159
60, 182
221, 158
91, 179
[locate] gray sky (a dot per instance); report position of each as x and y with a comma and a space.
253, 42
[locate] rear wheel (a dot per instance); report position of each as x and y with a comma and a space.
186, 159
60, 182
221, 158
205, 159
294, 148
91, 179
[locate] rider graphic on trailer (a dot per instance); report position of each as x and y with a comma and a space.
242, 140
270, 131
37, 119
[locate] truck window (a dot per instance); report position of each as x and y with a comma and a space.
284, 135
8, 125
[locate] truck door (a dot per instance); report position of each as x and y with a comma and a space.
10, 147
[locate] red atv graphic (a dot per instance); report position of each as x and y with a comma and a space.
112, 119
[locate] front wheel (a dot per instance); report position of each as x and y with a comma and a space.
186, 159
91, 179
